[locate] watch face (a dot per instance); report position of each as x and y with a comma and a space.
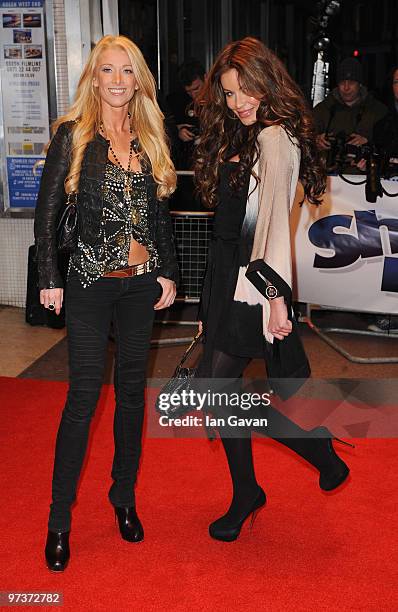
271, 292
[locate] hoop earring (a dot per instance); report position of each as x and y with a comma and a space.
234, 117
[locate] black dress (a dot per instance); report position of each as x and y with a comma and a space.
230, 326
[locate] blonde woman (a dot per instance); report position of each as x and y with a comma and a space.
111, 149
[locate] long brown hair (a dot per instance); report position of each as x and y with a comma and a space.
146, 117
263, 75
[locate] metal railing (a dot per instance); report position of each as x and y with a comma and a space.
192, 232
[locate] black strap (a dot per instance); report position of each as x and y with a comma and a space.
191, 347
331, 117
360, 112
258, 270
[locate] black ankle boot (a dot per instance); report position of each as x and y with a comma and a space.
227, 529
315, 446
57, 550
130, 525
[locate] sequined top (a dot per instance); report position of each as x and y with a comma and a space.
125, 216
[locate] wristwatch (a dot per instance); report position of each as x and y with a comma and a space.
271, 292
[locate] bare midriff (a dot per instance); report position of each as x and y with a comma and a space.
138, 253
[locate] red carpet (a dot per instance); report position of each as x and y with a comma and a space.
307, 550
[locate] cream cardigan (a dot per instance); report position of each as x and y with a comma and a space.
266, 222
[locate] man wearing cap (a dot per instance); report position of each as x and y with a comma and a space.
349, 109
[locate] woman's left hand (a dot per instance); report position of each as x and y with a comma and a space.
168, 293
279, 325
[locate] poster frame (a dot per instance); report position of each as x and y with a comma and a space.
6, 210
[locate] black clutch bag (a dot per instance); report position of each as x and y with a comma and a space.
66, 233
182, 380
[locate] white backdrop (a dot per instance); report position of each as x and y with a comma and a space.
343, 254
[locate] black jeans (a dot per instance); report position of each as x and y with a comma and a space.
89, 311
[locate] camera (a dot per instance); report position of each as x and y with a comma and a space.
194, 130
342, 154
336, 156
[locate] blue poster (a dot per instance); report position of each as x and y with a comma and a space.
23, 181
24, 95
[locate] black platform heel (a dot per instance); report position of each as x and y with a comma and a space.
333, 471
57, 550
227, 531
130, 526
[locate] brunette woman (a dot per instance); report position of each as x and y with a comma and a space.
111, 149
257, 140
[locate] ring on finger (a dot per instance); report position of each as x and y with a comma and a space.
51, 306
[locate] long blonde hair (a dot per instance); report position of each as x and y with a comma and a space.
146, 117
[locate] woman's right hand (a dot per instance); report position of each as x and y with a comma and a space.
200, 327
279, 325
52, 296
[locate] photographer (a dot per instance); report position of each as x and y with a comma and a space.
191, 75
385, 131
350, 112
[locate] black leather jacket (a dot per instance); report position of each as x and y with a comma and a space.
52, 198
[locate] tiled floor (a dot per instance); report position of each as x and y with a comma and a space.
20, 343
41, 352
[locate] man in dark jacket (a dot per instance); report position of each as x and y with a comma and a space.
191, 75
349, 110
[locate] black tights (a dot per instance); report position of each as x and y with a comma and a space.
238, 448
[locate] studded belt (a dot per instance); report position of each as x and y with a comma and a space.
134, 270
